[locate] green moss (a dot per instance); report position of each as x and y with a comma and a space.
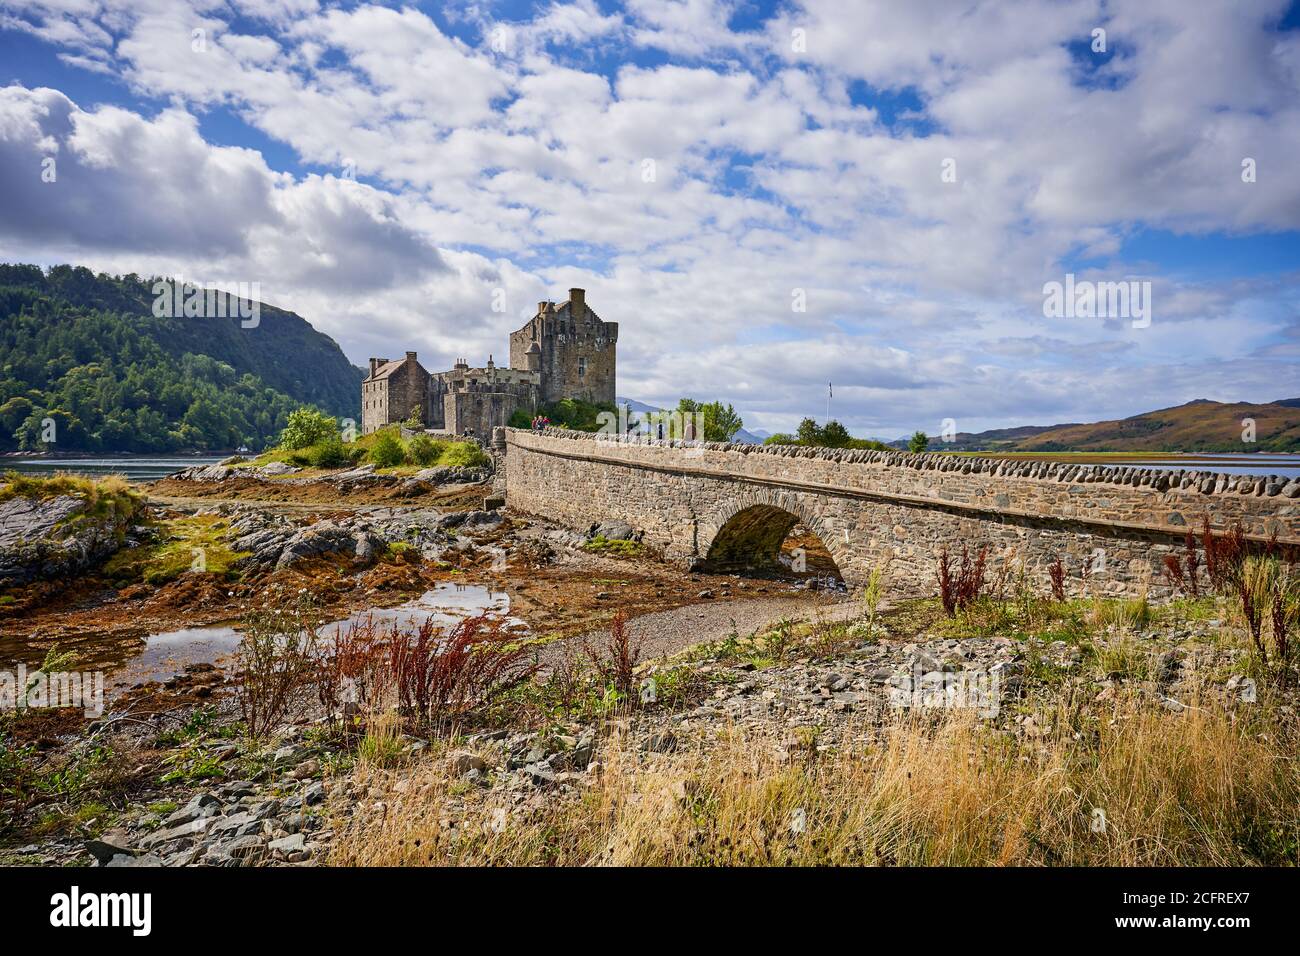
186, 544
617, 549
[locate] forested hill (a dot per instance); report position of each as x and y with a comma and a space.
87, 352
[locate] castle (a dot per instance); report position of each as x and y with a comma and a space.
564, 351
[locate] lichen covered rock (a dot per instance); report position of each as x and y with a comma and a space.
56, 535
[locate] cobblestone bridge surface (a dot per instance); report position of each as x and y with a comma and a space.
719, 505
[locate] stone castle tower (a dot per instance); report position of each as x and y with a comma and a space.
564, 351
571, 347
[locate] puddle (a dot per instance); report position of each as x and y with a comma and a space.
167, 654
445, 605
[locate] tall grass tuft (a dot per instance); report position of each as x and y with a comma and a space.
1268, 597
616, 662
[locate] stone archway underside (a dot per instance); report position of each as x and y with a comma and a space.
751, 539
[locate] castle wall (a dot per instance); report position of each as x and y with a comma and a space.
478, 412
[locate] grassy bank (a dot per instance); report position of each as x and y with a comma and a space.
1126, 786
107, 495
386, 449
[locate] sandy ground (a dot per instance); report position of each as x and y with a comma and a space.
668, 632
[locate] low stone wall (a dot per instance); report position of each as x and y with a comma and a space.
1110, 524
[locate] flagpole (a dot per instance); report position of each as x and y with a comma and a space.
828, 403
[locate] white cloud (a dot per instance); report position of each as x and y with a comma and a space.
694, 197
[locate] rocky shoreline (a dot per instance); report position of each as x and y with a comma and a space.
284, 802
170, 776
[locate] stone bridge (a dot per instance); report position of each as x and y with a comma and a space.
727, 506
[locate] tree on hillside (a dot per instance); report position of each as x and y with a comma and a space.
919, 442
86, 352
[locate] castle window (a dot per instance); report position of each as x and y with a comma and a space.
582, 366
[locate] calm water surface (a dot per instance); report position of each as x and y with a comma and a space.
1262, 463
136, 470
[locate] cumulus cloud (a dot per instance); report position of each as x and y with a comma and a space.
877, 204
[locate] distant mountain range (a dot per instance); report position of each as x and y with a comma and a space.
1198, 426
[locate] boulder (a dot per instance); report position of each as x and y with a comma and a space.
324, 537
456, 475
463, 761
470, 520
279, 468
56, 537
104, 849
613, 531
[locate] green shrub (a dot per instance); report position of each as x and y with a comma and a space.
424, 450
387, 450
308, 426
329, 454
464, 454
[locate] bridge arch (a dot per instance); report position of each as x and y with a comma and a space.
748, 531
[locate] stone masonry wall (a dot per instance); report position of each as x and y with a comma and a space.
392, 399
870, 508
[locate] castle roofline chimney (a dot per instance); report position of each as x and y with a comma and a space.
577, 300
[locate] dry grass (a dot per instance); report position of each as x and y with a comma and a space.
104, 494
1204, 787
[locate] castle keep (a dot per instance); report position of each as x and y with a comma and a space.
563, 351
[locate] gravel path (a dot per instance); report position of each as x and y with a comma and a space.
667, 632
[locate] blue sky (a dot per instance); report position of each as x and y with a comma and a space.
766, 196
